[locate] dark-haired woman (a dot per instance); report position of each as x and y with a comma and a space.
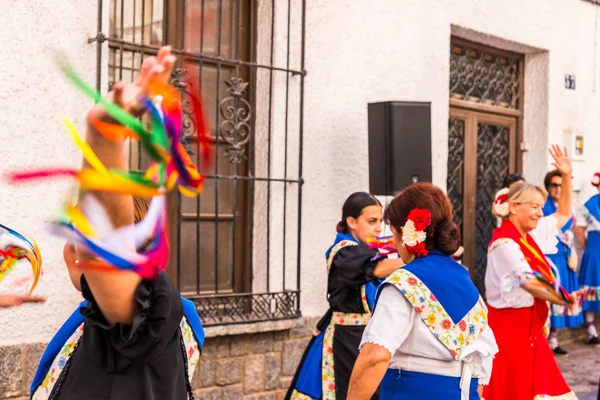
428, 338
554, 235
353, 273
512, 178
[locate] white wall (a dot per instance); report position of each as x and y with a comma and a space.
360, 52
356, 52
33, 96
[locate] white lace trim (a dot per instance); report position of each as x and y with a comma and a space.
376, 342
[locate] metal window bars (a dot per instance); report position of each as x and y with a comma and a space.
236, 248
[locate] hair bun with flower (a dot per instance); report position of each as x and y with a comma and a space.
413, 232
501, 203
596, 179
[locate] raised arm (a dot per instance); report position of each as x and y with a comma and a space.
562, 162
114, 292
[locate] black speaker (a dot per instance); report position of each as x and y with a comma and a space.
399, 145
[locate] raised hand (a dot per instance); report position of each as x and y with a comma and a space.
562, 161
126, 95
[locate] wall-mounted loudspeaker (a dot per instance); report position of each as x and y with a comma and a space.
399, 145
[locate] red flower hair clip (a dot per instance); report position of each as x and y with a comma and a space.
596, 179
413, 232
501, 203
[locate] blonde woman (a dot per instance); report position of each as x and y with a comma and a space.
524, 368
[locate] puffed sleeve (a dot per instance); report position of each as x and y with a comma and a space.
508, 270
353, 265
392, 321
581, 219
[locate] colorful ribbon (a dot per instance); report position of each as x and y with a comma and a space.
16, 247
384, 244
142, 248
172, 165
87, 225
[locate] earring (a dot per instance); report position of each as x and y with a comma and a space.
76, 262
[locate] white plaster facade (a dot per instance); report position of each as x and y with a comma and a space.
356, 52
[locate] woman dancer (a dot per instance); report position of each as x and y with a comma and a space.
132, 338
353, 273
554, 235
525, 368
428, 338
588, 221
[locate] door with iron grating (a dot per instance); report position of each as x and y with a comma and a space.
493, 164
481, 152
485, 90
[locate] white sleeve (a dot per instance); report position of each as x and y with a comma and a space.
480, 355
546, 234
512, 270
581, 217
392, 321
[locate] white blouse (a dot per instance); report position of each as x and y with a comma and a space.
546, 234
506, 270
396, 326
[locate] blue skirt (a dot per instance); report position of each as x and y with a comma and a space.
589, 273
559, 317
408, 385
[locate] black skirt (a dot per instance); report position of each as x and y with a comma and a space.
308, 378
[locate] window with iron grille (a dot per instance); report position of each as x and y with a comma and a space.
235, 248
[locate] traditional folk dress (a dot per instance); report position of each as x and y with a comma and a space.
431, 318
589, 271
153, 358
325, 369
525, 367
557, 245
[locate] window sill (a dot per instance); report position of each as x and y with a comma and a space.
254, 327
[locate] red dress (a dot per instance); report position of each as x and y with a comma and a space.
525, 367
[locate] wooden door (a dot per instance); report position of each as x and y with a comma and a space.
481, 152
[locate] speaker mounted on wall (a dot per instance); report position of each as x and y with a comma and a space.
399, 145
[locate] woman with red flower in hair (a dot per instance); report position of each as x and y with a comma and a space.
428, 338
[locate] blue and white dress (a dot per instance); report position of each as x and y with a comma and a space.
557, 244
431, 318
589, 271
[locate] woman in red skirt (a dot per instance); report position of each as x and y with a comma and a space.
524, 368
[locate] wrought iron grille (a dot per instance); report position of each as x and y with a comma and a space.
483, 77
230, 247
456, 161
493, 152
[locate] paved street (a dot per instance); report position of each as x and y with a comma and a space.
581, 369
